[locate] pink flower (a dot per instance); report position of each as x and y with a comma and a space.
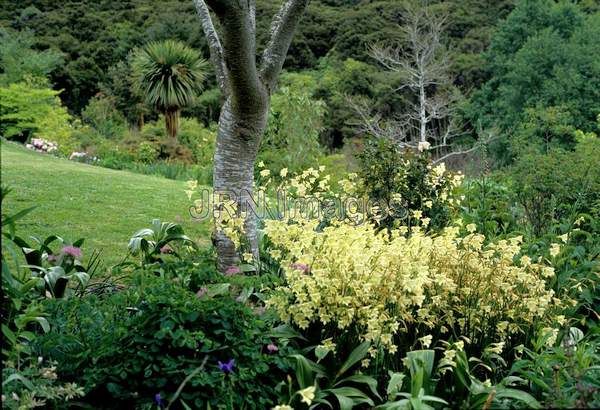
232, 270
200, 294
272, 348
300, 266
52, 258
72, 251
166, 249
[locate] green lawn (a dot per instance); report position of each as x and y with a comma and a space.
103, 206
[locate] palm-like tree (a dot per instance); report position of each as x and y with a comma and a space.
169, 75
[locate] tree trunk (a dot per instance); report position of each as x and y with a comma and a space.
141, 121
422, 114
172, 122
247, 89
236, 148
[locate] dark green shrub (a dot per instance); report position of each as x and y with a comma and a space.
143, 341
405, 182
558, 184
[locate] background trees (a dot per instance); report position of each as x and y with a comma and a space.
542, 59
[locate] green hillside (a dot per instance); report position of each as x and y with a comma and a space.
115, 203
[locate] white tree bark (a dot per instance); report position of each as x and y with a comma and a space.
422, 63
247, 89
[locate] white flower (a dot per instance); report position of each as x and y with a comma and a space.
283, 407
265, 173
426, 341
283, 172
308, 394
423, 146
554, 249
471, 228
261, 164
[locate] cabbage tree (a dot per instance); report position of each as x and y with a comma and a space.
169, 75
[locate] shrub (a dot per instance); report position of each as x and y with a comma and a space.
146, 153
565, 375
102, 115
549, 191
28, 109
406, 182
146, 340
291, 139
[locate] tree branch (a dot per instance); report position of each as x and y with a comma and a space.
475, 147
282, 31
214, 45
247, 93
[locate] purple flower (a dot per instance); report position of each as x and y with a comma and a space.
166, 249
227, 367
232, 270
72, 251
158, 400
272, 348
52, 258
201, 292
300, 266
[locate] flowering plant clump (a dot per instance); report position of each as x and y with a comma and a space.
383, 283
42, 145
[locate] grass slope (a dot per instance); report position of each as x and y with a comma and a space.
76, 200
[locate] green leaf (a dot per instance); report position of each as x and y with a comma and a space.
361, 379
394, 385
13, 218
9, 334
321, 352
304, 371
18, 377
285, 331
357, 355
519, 395
350, 396
43, 323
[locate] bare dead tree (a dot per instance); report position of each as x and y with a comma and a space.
422, 62
247, 87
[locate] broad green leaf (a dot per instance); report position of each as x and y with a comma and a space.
357, 355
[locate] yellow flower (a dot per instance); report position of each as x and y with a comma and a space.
261, 164
265, 173
247, 256
283, 172
471, 228
283, 407
495, 348
564, 237
308, 394
554, 249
